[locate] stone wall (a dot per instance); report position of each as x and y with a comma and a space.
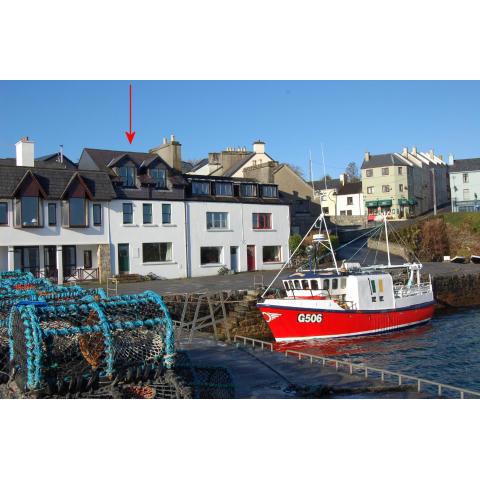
349, 220
457, 290
104, 264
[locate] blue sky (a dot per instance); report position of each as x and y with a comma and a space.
292, 117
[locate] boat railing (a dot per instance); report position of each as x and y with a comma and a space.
421, 384
407, 291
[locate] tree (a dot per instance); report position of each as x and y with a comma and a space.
352, 172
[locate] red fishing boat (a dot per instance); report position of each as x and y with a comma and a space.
349, 299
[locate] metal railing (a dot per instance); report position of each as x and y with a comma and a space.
112, 286
406, 291
364, 370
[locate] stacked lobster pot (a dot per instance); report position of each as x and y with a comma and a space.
15, 287
77, 345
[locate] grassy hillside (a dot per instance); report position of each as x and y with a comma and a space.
447, 234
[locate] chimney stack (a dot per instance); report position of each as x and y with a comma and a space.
405, 152
171, 152
451, 160
343, 179
367, 156
259, 146
431, 155
25, 153
414, 150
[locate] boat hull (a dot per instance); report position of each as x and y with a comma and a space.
293, 323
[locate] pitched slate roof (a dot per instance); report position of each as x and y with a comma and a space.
102, 158
54, 181
465, 165
384, 160
46, 161
331, 183
195, 166
350, 188
237, 166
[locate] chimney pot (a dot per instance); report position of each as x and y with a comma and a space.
432, 156
164, 140
367, 156
405, 152
414, 150
259, 147
172, 138
25, 153
450, 159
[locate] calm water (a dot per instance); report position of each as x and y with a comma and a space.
446, 350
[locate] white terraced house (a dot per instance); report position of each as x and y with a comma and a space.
118, 212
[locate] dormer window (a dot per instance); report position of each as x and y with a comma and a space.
74, 212
75, 202
78, 212
160, 177
248, 190
224, 189
28, 212
269, 191
200, 188
127, 174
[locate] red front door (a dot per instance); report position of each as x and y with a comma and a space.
250, 257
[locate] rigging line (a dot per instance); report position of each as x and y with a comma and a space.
371, 233
363, 245
359, 248
404, 244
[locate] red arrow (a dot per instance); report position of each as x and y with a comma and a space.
130, 134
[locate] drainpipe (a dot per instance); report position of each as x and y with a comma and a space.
186, 215
109, 238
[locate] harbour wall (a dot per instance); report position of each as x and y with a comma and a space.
454, 285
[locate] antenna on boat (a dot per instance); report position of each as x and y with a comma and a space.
324, 170
324, 240
311, 174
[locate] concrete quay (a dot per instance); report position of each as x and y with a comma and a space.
265, 374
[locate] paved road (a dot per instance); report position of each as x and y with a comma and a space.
215, 283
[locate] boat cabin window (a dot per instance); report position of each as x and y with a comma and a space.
285, 284
326, 284
314, 284
305, 284
297, 284
292, 284
334, 283
343, 282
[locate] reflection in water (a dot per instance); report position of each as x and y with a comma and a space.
447, 349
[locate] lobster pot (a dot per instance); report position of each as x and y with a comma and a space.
73, 345
12, 274
4, 363
22, 284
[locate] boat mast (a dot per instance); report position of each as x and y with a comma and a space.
330, 246
292, 254
386, 239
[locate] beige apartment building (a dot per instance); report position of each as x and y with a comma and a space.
404, 184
